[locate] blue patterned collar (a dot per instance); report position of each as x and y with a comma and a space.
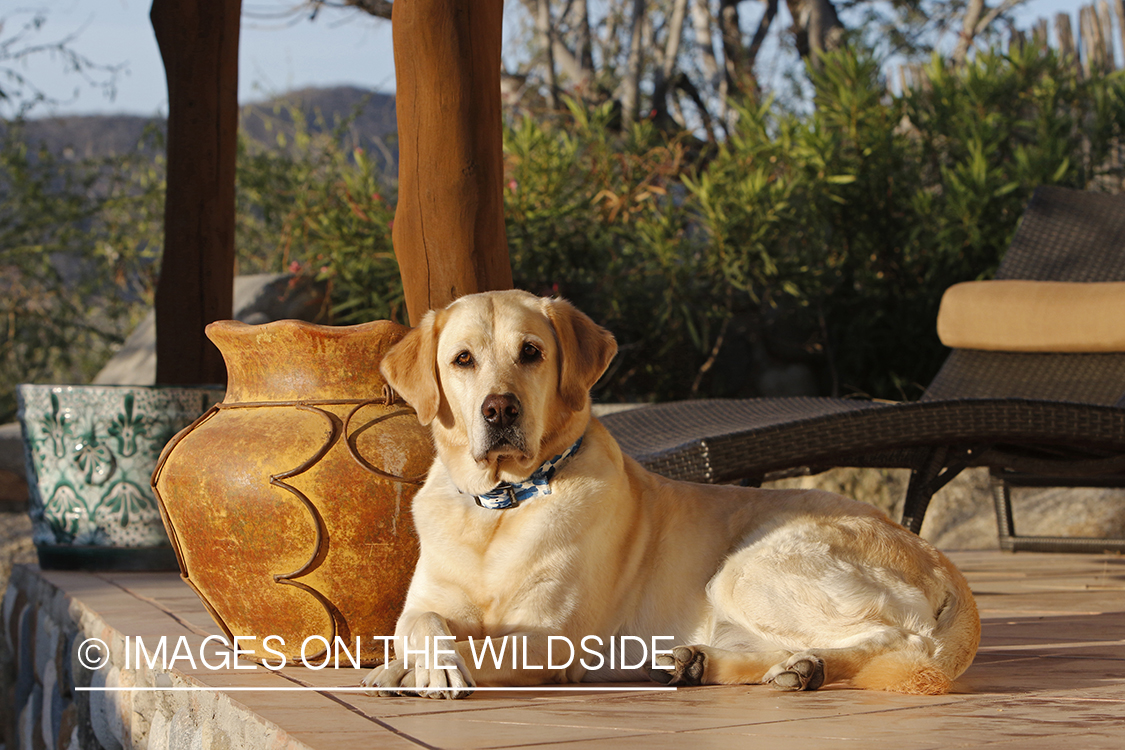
510, 494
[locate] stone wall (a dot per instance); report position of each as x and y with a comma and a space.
961, 515
42, 709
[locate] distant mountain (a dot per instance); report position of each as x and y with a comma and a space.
89, 136
373, 127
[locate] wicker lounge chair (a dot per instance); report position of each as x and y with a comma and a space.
1034, 418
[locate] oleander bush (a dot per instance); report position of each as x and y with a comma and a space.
310, 205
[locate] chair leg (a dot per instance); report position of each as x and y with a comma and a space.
920, 490
1002, 502
1009, 541
935, 469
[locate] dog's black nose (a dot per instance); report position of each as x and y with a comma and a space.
501, 409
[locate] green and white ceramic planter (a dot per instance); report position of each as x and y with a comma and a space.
91, 451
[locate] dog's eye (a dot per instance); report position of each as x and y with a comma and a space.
530, 353
464, 359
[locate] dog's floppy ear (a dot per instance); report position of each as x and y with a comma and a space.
410, 368
585, 350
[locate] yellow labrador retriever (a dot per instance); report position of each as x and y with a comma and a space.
549, 556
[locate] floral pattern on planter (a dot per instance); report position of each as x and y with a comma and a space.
90, 453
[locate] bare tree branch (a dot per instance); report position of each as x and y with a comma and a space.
817, 27
17, 92
675, 33
576, 67
611, 42
684, 84
973, 11
702, 20
976, 20
379, 8
583, 44
546, 45
760, 34
631, 83
664, 73
995, 13
731, 34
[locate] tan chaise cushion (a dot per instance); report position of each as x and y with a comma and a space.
1034, 316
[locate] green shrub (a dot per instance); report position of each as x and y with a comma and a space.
78, 245
308, 206
830, 233
600, 218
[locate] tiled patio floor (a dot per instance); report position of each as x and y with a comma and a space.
1050, 674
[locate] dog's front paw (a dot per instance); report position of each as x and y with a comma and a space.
799, 672
683, 668
447, 681
394, 678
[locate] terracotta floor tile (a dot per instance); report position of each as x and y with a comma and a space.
1050, 674
371, 737
473, 731
726, 740
1083, 740
481, 702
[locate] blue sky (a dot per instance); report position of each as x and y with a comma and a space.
341, 47
274, 55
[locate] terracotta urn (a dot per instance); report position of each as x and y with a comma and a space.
288, 504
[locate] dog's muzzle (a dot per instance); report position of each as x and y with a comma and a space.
501, 412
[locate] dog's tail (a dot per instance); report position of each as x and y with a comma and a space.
956, 638
903, 672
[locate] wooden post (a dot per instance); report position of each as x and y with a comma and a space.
543, 30
1119, 11
1016, 40
1087, 31
1105, 21
1039, 32
1066, 38
198, 42
449, 225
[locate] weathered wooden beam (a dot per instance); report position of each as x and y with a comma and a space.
198, 42
1105, 20
1039, 32
1119, 11
1017, 40
1066, 38
1089, 32
449, 225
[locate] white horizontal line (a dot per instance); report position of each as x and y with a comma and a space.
545, 689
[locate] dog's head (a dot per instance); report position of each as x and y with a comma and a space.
504, 377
